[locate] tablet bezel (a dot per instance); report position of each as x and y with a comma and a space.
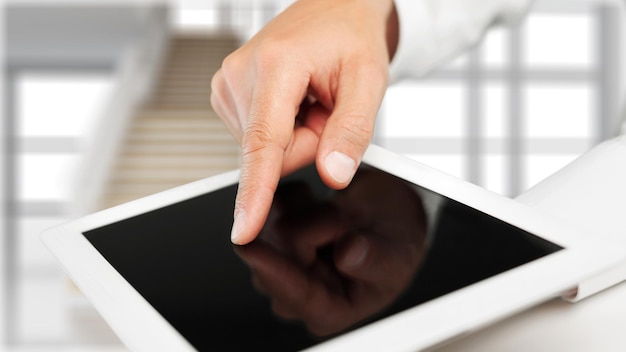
138, 324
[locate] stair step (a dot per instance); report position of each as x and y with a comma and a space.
201, 50
186, 70
182, 98
176, 137
174, 116
197, 81
193, 43
148, 112
182, 90
192, 103
170, 105
215, 42
182, 95
157, 115
126, 181
138, 190
180, 161
166, 175
121, 194
197, 57
192, 144
203, 85
189, 72
178, 126
190, 86
151, 149
187, 77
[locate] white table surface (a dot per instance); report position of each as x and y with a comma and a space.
591, 194
597, 323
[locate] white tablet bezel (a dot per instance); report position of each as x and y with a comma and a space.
142, 328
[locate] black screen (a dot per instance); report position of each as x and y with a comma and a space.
326, 261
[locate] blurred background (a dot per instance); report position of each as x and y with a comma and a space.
107, 101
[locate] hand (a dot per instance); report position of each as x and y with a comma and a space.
334, 263
331, 56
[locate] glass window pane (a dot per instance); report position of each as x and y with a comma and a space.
496, 175
496, 110
187, 18
494, 47
559, 40
424, 109
554, 110
44, 177
53, 105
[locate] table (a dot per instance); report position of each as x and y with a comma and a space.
589, 193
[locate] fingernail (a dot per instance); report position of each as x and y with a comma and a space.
238, 226
340, 166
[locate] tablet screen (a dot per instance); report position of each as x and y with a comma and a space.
326, 261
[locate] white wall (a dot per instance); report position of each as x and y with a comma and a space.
80, 32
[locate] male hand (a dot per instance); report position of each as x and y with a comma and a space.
331, 56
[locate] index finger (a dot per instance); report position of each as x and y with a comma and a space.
268, 133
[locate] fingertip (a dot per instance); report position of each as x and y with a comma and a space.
237, 235
252, 206
245, 227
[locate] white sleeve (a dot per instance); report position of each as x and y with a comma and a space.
433, 31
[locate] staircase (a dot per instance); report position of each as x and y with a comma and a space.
176, 138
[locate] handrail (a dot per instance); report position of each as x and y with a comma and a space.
135, 74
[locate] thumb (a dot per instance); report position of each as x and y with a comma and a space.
350, 127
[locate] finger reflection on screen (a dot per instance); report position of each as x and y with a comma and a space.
336, 260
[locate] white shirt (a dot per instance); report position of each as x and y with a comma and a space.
433, 31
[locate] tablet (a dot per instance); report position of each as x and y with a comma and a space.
404, 259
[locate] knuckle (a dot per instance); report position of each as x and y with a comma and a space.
269, 50
231, 63
215, 101
216, 88
233, 67
273, 52
257, 137
371, 69
356, 131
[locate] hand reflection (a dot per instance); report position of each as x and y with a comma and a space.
335, 262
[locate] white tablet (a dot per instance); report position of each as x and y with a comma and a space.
406, 258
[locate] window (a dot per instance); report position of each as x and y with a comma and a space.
54, 112
537, 97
